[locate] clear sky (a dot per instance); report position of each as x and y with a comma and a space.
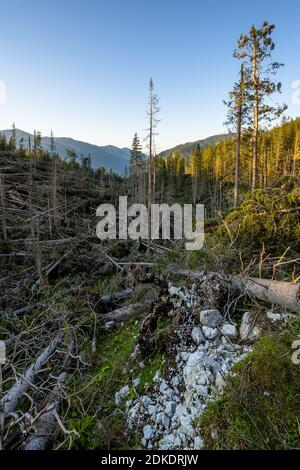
82, 68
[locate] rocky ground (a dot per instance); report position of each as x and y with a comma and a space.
203, 350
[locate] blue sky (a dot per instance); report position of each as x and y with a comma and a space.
82, 68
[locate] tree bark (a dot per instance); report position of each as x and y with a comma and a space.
285, 294
122, 313
46, 423
255, 118
238, 139
10, 400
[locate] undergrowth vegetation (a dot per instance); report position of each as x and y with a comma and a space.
260, 405
269, 216
94, 415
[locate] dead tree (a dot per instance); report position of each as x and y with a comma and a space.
285, 294
10, 400
4, 229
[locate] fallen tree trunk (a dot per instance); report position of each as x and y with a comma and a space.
49, 270
46, 423
20, 311
122, 313
10, 400
285, 294
116, 296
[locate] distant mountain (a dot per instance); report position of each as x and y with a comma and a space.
186, 148
108, 156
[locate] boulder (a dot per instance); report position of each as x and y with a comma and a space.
210, 333
148, 432
229, 330
197, 335
146, 401
170, 408
248, 330
121, 394
210, 318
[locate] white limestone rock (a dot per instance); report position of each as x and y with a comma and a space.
210, 333
148, 432
229, 330
198, 443
197, 335
248, 330
170, 408
121, 394
210, 318
136, 382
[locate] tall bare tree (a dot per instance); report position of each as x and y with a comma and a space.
4, 228
152, 112
54, 181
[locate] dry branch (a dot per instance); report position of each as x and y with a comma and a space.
10, 400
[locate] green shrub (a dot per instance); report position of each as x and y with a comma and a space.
269, 216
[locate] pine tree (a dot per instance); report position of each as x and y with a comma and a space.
255, 50
13, 138
296, 154
238, 111
196, 170
135, 162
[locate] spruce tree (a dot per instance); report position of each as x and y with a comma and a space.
255, 50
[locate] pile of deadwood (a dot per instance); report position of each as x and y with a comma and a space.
49, 253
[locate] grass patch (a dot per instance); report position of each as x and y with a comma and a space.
102, 424
109, 285
260, 406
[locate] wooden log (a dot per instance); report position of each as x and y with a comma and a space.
123, 313
116, 296
285, 294
10, 400
47, 419
46, 423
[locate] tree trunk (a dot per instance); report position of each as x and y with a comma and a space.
10, 400
238, 140
4, 229
46, 423
150, 177
255, 118
285, 294
115, 297
122, 313
55, 205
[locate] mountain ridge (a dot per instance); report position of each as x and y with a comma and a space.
186, 148
108, 156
